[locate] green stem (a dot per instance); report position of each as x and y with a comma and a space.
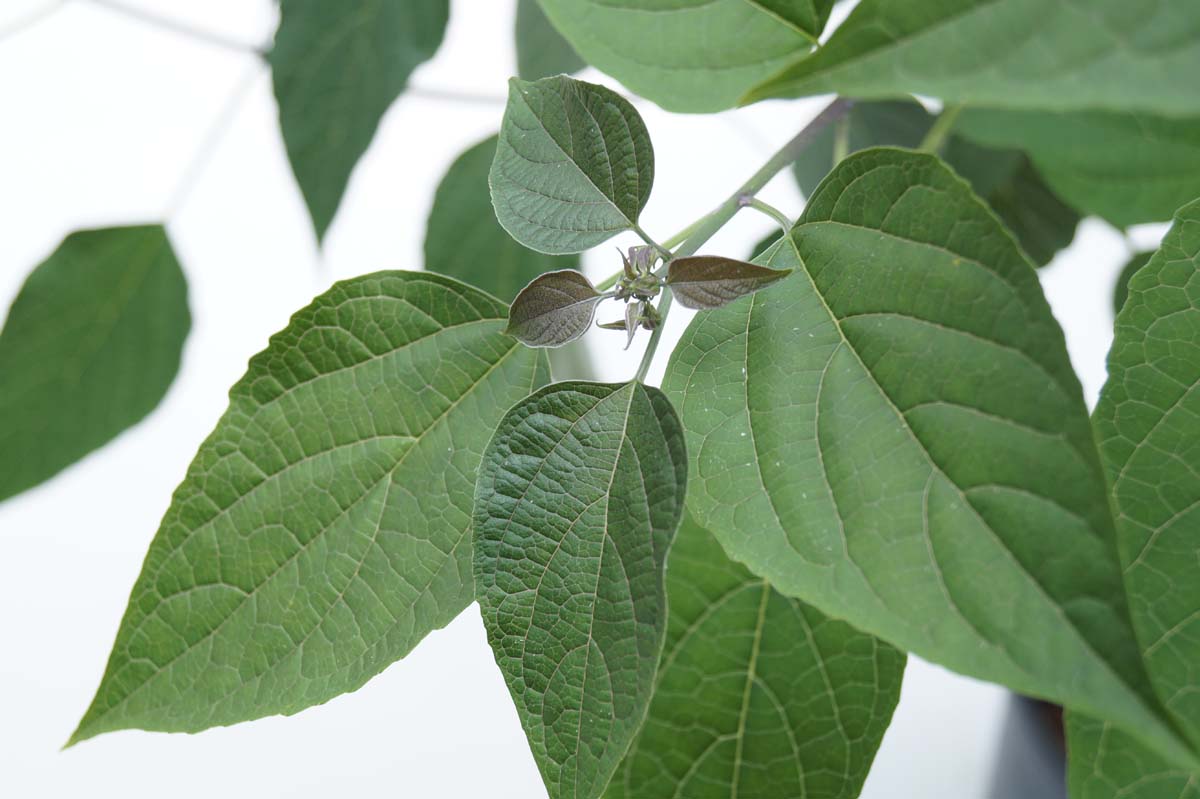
706, 227
779, 216
662, 250
679, 237
936, 137
841, 140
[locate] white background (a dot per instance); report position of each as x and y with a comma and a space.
100, 116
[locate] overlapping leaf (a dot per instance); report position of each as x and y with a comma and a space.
1005, 178
337, 67
573, 167
578, 498
541, 50
464, 240
1148, 425
895, 435
322, 529
758, 695
1127, 168
1103, 54
1121, 288
90, 346
711, 281
1105, 763
689, 55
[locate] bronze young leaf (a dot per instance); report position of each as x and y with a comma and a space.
703, 282
554, 309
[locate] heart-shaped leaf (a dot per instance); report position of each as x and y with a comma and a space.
554, 309
322, 529
895, 435
758, 694
574, 165
578, 498
702, 282
90, 346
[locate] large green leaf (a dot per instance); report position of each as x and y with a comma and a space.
1121, 287
895, 435
1004, 178
541, 50
1102, 54
758, 696
689, 55
573, 166
464, 240
322, 529
1127, 168
337, 67
578, 498
1105, 763
1148, 425
90, 346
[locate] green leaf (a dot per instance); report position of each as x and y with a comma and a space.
689, 55
758, 695
554, 309
90, 346
573, 167
578, 498
337, 68
1148, 426
541, 50
1126, 168
1105, 763
895, 435
322, 529
1104, 54
1121, 289
464, 240
703, 282
1004, 178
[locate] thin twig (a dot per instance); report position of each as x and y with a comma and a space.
31, 19
212, 139
937, 135
180, 28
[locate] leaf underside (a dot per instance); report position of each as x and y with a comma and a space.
89, 348
322, 529
708, 281
554, 309
1103, 54
337, 67
895, 435
758, 695
578, 498
573, 167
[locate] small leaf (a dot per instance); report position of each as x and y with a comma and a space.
1105, 763
758, 695
895, 435
578, 498
694, 55
1148, 424
555, 308
1126, 168
574, 165
541, 50
337, 67
323, 528
702, 282
1103, 54
464, 240
90, 346
1121, 288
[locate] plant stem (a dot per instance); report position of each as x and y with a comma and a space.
841, 140
936, 137
707, 226
662, 250
679, 237
174, 26
779, 216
